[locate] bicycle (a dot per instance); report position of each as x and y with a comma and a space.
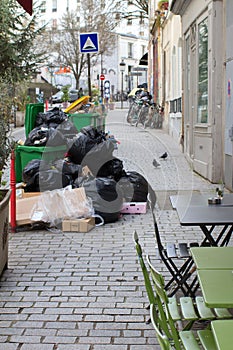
143, 113
141, 99
133, 112
155, 117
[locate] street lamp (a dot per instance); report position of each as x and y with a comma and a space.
122, 69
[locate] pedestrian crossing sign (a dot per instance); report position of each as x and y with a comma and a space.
89, 42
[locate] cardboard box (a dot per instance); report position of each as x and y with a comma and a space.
20, 194
78, 225
134, 208
24, 204
51, 205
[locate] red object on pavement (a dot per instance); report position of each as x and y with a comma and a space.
27, 5
46, 105
102, 77
13, 192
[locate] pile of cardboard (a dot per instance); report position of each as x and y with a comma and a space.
68, 206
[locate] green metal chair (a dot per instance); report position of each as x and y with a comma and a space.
165, 326
187, 340
184, 310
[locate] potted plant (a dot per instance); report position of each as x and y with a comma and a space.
163, 5
20, 59
65, 96
5, 150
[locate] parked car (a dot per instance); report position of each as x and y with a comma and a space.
73, 96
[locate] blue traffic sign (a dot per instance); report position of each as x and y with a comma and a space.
89, 42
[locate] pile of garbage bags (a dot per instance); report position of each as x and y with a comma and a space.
89, 163
52, 128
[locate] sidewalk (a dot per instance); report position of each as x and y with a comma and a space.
85, 291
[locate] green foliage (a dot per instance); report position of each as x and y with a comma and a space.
95, 92
5, 111
65, 90
19, 56
19, 61
21, 96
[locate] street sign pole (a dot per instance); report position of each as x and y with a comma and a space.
89, 43
102, 77
102, 90
89, 75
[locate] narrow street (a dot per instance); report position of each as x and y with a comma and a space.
85, 291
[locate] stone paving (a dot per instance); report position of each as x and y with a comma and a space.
85, 291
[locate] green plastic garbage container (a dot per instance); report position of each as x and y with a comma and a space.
24, 154
32, 109
81, 120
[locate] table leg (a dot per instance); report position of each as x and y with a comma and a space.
216, 242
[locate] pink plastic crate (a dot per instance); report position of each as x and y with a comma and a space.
134, 208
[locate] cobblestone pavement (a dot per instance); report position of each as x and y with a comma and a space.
85, 291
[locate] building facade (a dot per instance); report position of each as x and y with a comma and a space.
202, 33
131, 43
190, 70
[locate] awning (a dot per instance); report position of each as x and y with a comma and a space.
27, 5
144, 60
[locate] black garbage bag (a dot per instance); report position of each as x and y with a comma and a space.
41, 136
53, 179
68, 129
33, 167
54, 116
134, 186
55, 138
33, 184
93, 133
107, 198
112, 168
79, 147
37, 137
68, 168
98, 156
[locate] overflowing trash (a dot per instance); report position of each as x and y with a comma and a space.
88, 164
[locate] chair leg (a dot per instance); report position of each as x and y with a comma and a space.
179, 276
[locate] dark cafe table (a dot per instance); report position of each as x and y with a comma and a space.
194, 210
223, 333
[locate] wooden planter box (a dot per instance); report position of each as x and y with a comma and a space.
4, 229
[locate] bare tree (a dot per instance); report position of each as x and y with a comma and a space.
123, 9
94, 16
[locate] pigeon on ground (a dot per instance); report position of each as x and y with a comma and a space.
155, 163
164, 156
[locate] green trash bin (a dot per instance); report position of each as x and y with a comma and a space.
32, 109
81, 120
24, 154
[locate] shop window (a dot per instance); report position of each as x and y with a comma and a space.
43, 7
54, 6
202, 103
130, 50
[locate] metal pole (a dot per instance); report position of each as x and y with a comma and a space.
101, 81
89, 75
122, 73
